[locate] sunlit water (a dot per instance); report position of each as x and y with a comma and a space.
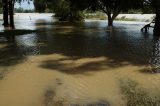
80, 63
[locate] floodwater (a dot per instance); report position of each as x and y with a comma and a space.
77, 64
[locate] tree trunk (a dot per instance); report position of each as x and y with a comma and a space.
11, 13
5, 13
157, 23
110, 22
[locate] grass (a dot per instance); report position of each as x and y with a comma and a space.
1, 75
102, 16
49, 96
2, 72
137, 96
96, 16
126, 19
51, 100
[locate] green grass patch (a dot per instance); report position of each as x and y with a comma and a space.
2, 72
1, 75
96, 16
137, 96
126, 19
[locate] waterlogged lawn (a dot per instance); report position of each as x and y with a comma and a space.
80, 64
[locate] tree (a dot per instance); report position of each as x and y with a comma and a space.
40, 5
113, 7
11, 13
110, 7
8, 11
8, 8
154, 6
5, 12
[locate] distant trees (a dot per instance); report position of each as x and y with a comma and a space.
40, 5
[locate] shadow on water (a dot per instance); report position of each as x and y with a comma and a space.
9, 57
8, 49
81, 69
120, 47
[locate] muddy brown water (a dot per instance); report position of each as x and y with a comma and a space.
70, 64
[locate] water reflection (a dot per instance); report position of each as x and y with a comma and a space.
88, 39
27, 44
155, 56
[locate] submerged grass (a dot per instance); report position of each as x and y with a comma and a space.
2, 73
51, 100
126, 19
49, 96
137, 96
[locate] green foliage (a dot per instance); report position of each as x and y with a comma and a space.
40, 5
135, 11
62, 8
1, 10
151, 5
1, 7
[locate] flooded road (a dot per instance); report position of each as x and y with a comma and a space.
79, 64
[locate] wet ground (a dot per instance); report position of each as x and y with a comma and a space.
78, 64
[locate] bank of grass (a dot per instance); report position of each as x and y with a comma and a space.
96, 16
3, 70
137, 96
126, 19
1, 75
123, 18
102, 16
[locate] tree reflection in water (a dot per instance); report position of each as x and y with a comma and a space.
155, 56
